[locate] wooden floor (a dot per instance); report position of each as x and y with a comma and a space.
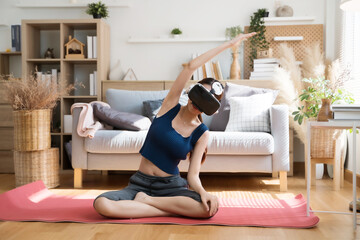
331, 226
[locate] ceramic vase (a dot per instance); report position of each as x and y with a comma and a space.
235, 72
325, 112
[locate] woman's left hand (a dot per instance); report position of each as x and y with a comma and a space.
241, 37
210, 202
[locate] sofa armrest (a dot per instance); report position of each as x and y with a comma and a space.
279, 118
79, 155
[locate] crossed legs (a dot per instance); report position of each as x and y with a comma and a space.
146, 206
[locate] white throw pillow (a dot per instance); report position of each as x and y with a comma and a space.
250, 114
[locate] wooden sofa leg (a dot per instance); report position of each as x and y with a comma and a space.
283, 181
78, 175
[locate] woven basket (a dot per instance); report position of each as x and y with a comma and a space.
323, 142
32, 166
32, 130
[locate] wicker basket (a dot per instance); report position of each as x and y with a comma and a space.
323, 142
32, 166
32, 130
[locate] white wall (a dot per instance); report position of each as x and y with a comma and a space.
155, 18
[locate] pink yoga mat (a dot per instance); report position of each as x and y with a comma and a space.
34, 202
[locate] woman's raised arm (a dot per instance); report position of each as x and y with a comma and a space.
185, 75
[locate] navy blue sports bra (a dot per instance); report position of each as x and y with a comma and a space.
164, 146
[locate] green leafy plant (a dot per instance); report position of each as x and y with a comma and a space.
97, 10
232, 32
311, 96
258, 41
176, 31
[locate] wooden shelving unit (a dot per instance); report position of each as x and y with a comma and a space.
37, 36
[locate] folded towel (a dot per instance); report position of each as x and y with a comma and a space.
88, 125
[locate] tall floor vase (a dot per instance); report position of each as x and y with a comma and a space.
235, 71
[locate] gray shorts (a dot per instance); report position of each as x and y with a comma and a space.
153, 186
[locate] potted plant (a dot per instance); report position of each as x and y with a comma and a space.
97, 10
258, 42
317, 98
230, 33
176, 32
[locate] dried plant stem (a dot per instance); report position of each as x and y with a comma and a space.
33, 93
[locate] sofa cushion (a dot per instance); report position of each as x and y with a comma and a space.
151, 108
240, 143
221, 119
132, 101
250, 114
116, 141
121, 120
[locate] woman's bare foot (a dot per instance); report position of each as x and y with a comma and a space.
142, 197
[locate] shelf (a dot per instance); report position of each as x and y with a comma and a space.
74, 97
67, 5
55, 134
85, 60
10, 53
45, 60
174, 40
288, 19
289, 38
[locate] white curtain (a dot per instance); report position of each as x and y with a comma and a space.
350, 55
350, 50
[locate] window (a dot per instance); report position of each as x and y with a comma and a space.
350, 50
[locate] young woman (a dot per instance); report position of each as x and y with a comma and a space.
157, 188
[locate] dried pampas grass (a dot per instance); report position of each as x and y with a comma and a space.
282, 81
313, 61
288, 62
33, 93
289, 80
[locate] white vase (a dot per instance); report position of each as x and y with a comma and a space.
115, 71
319, 170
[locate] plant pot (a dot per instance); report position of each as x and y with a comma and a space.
325, 112
176, 36
32, 130
96, 15
266, 14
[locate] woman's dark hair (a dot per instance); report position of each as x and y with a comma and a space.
208, 81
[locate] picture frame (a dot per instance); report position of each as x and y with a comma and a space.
130, 75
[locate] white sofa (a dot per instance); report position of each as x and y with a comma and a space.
227, 151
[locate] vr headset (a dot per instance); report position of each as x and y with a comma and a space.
204, 99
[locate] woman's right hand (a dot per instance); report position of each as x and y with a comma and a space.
239, 38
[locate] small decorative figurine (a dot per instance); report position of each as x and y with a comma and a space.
49, 53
